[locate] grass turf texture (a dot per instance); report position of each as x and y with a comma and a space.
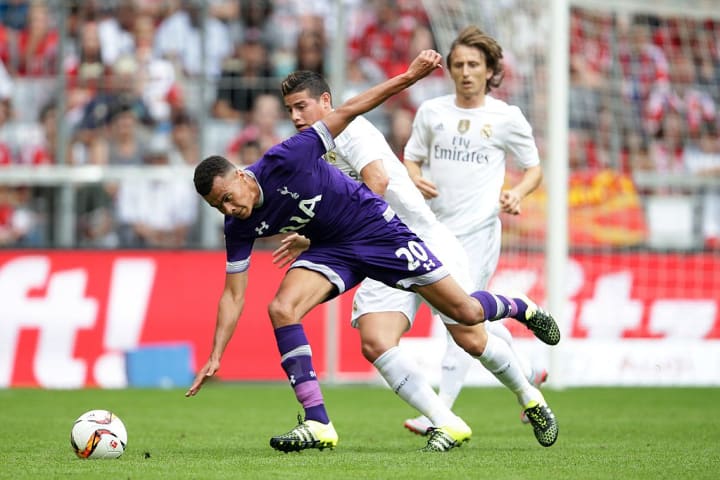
627, 433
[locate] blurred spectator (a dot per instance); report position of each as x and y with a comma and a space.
248, 153
262, 129
79, 13
362, 73
116, 30
119, 140
14, 13
590, 43
582, 154
310, 51
254, 14
161, 92
385, 40
122, 145
157, 9
667, 148
6, 154
358, 79
18, 223
6, 83
706, 57
684, 96
643, 64
702, 158
37, 43
226, 10
126, 137
290, 17
173, 205
85, 71
245, 76
590, 61
185, 138
598, 137
401, 120
5, 42
635, 151
95, 219
43, 153
178, 39
434, 85
120, 91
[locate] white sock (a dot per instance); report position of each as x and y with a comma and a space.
402, 376
455, 364
500, 330
498, 358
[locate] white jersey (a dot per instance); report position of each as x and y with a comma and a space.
463, 150
360, 144
357, 146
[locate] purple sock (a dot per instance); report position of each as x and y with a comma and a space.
296, 360
500, 306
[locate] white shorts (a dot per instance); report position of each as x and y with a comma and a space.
373, 296
483, 251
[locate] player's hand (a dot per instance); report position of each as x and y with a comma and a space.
290, 248
210, 368
426, 187
510, 202
424, 64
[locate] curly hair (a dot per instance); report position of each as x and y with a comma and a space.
207, 170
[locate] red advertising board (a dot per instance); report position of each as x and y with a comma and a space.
67, 316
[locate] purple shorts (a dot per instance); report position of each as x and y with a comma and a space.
394, 256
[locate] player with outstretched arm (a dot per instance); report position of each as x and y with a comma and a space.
354, 234
382, 314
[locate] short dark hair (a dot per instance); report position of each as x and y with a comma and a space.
206, 171
473, 37
300, 80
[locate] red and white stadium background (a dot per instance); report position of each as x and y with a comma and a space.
66, 317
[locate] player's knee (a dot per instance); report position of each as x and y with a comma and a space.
469, 313
473, 341
373, 347
281, 313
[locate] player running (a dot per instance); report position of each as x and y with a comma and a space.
461, 141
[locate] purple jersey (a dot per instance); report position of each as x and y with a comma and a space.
300, 192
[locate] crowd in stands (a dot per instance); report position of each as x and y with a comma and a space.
645, 92
138, 89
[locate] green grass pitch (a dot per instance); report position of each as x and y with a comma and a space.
605, 433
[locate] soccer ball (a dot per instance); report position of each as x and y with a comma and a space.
98, 434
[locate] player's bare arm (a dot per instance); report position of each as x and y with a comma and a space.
230, 307
426, 187
375, 177
424, 64
510, 199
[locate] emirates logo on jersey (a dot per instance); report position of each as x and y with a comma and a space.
463, 126
486, 130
